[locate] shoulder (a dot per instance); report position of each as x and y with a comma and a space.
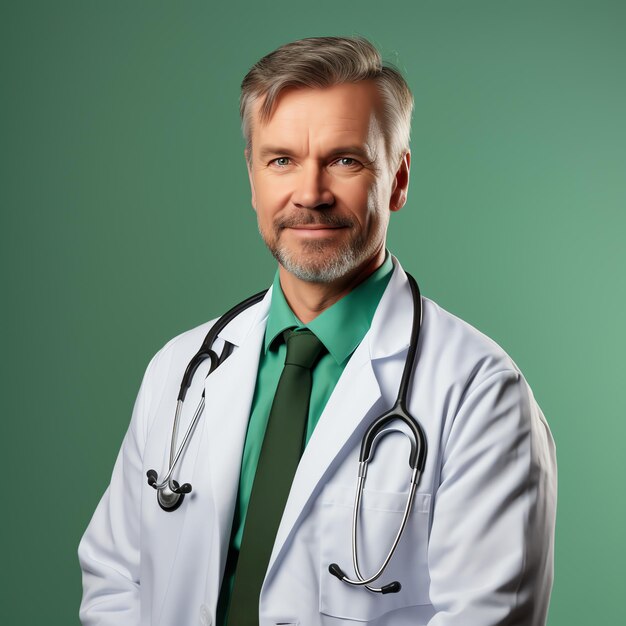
461, 363
173, 357
447, 343
485, 402
165, 369
182, 346
452, 341
452, 355
479, 397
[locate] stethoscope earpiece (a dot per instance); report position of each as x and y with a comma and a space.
336, 571
153, 477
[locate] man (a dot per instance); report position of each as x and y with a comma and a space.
327, 131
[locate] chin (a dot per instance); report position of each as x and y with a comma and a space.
322, 266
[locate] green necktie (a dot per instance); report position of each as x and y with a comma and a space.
280, 454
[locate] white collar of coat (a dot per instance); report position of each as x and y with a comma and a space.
385, 338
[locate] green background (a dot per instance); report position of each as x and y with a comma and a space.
126, 219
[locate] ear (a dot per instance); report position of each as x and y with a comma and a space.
400, 185
248, 156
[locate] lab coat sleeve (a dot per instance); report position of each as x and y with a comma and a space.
492, 537
109, 550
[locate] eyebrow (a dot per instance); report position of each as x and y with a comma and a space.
266, 151
360, 151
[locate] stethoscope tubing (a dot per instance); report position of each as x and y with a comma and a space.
417, 458
174, 458
361, 580
170, 494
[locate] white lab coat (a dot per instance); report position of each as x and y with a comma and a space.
478, 547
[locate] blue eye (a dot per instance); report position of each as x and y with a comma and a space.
281, 161
348, 162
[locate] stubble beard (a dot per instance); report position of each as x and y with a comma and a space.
324, 260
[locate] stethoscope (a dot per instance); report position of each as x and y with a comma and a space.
170, 494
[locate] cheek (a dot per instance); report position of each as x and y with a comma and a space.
272, 194
353, 194
363, 202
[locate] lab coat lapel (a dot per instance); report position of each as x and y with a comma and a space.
343, 421
217, 453
337, 425
228, 394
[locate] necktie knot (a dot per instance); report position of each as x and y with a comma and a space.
303, 348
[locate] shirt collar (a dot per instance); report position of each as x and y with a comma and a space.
342, 326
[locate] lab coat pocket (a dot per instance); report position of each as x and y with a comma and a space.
381, 514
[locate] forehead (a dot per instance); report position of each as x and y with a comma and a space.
347, 112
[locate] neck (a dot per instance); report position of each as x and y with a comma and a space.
307, 300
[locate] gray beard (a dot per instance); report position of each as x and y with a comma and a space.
329, 270
331, 263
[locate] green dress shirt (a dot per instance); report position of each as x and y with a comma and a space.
341, 329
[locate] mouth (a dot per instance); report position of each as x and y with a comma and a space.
314, 227
314, 231
314, 223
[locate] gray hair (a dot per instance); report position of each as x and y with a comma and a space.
319, 62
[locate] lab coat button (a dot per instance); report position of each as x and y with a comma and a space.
205, 616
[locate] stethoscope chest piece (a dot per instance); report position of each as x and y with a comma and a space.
170, 494
169, 499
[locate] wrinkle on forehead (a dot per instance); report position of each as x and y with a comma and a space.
322, 119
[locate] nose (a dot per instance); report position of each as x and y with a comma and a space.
312, 189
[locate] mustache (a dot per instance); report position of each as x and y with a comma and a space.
307, 219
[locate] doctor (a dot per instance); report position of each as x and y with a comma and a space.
327, 130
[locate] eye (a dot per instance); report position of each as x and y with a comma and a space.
281, 161
347, 162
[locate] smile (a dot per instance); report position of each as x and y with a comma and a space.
315, 227
314, 230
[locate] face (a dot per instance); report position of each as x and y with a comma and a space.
322, 184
